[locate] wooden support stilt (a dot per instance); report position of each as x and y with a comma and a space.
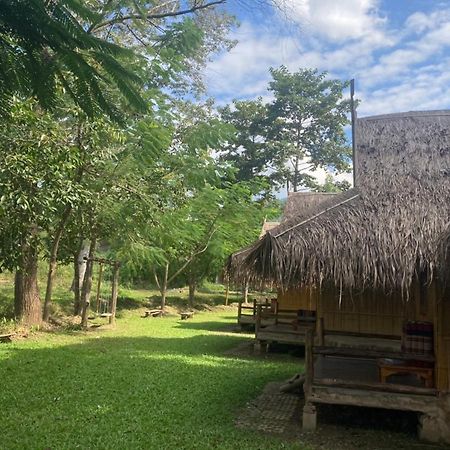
99, 285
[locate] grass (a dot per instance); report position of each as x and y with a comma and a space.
148, 384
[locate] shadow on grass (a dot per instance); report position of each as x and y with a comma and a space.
208, 326
130, 392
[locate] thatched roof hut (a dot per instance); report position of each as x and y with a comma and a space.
383, 232
296, 203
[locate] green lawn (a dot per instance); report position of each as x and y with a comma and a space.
150, 384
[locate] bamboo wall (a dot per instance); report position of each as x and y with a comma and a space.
295, 299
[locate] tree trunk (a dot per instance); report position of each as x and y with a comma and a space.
227, 292
27, 303
82, 253
54, 261
192, 287
296, 172
164, 287
245, 291
87, 283
76, 285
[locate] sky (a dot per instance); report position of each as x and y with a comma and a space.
398, 51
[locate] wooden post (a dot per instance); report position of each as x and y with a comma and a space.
115, 289
309, 363
320, 331
239, 310
254, 306
99, 285
309, 410
258, 319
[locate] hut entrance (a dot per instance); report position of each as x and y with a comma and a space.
103, 307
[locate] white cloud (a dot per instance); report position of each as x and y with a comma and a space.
396, 68
338, 20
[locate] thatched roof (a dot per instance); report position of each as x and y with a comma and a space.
302, 201
296, 203
267, 226
379, 234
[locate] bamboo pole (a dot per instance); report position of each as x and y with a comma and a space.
115, 289
99, 285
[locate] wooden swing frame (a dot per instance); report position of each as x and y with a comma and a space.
114, 289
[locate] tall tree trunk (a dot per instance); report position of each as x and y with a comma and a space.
27, 303
54, 261
245, 291
76, 286
163, 287
192, 287
87, 283
296, 173
82, 253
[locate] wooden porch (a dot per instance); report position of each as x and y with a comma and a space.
282, 326
247, 313
351, 375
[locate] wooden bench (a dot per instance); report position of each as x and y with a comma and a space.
187, 315
6, 337
388, 368
153, 313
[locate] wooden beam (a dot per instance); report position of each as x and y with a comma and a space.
335, 395
372, 354
383, 387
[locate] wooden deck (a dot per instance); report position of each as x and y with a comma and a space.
281, 333
350, 376
285, 326
247, 313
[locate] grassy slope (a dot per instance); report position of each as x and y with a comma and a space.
150, 383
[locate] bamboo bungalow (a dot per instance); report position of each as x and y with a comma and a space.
375, 261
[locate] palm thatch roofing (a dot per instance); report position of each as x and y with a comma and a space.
267, 226
296, 203
380, 234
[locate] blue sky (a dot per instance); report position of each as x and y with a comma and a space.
398, 51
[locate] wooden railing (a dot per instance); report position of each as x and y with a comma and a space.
250, 311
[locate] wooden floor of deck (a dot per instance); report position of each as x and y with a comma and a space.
357, 370
282, 333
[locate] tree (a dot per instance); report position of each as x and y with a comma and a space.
307, 117
249, 152
37, 157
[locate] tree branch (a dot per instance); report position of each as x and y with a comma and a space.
193, 255
157, 280
121, 19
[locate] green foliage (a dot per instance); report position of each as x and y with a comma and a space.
307, 118
249, 152
52, 47
302, 129
331, 185
37, 159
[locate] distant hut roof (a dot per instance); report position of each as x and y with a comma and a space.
297, 202
267, 226
380, 233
